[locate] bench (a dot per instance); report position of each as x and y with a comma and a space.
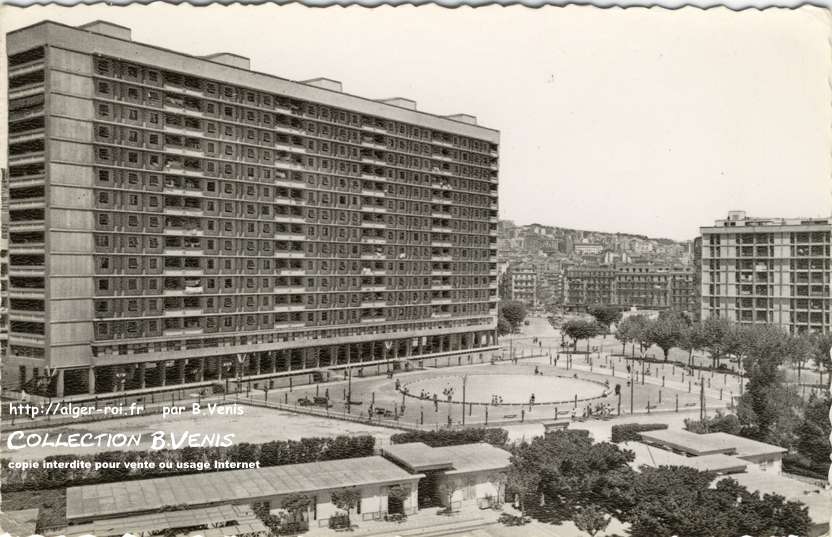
509, 416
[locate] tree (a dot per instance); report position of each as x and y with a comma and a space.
514, 312
692, 338
399, 493
715, 332
577, 330
606, 315
623, 333
721, 423
677, 500
346, 499
571, 472
666, 332
804, 348
769, 408
523, 476
822, 358
503, 326
591, 519
297, 505
813, 433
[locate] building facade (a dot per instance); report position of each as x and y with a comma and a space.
647, 286
521, 284
179, 219
767, 270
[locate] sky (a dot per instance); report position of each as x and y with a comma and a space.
644, 121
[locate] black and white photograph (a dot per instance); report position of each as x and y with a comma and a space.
281, 270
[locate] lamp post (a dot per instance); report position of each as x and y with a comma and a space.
349, 390
226, 366
241, 360
121, 376
464, 385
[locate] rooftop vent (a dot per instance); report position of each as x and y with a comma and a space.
233, 60
401, 102
107, 28
325, 83
464, 118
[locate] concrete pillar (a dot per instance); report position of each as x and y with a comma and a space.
91, 380
59, 385
349, 353
161, 369
219, 367
200, 375
142, 379
180, 372
257, 364
274, 355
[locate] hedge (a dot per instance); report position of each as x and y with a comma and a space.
275, 453
496, 437
628, 432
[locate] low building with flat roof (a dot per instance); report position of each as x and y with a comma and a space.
474, 472
761, 456
371, 476
647, 455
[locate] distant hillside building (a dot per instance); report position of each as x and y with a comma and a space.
767, 270
588, 248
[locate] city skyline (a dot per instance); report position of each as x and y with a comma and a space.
725, 130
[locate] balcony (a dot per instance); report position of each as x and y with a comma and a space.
182, 130
28, 203
27, 136
373, 287
373, 208
289, 290
288, 218
183, 211
27, 270
26, 158
288, 308
289, 236
189, 232
183, 272
373, 303
376, 225
22, 292
373, 240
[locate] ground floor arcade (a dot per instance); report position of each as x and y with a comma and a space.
233, 368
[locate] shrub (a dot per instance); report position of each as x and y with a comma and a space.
628, 432
338, 521
496, 437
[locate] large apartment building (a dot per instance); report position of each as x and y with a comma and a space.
178, 219
767, 270
645, 286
